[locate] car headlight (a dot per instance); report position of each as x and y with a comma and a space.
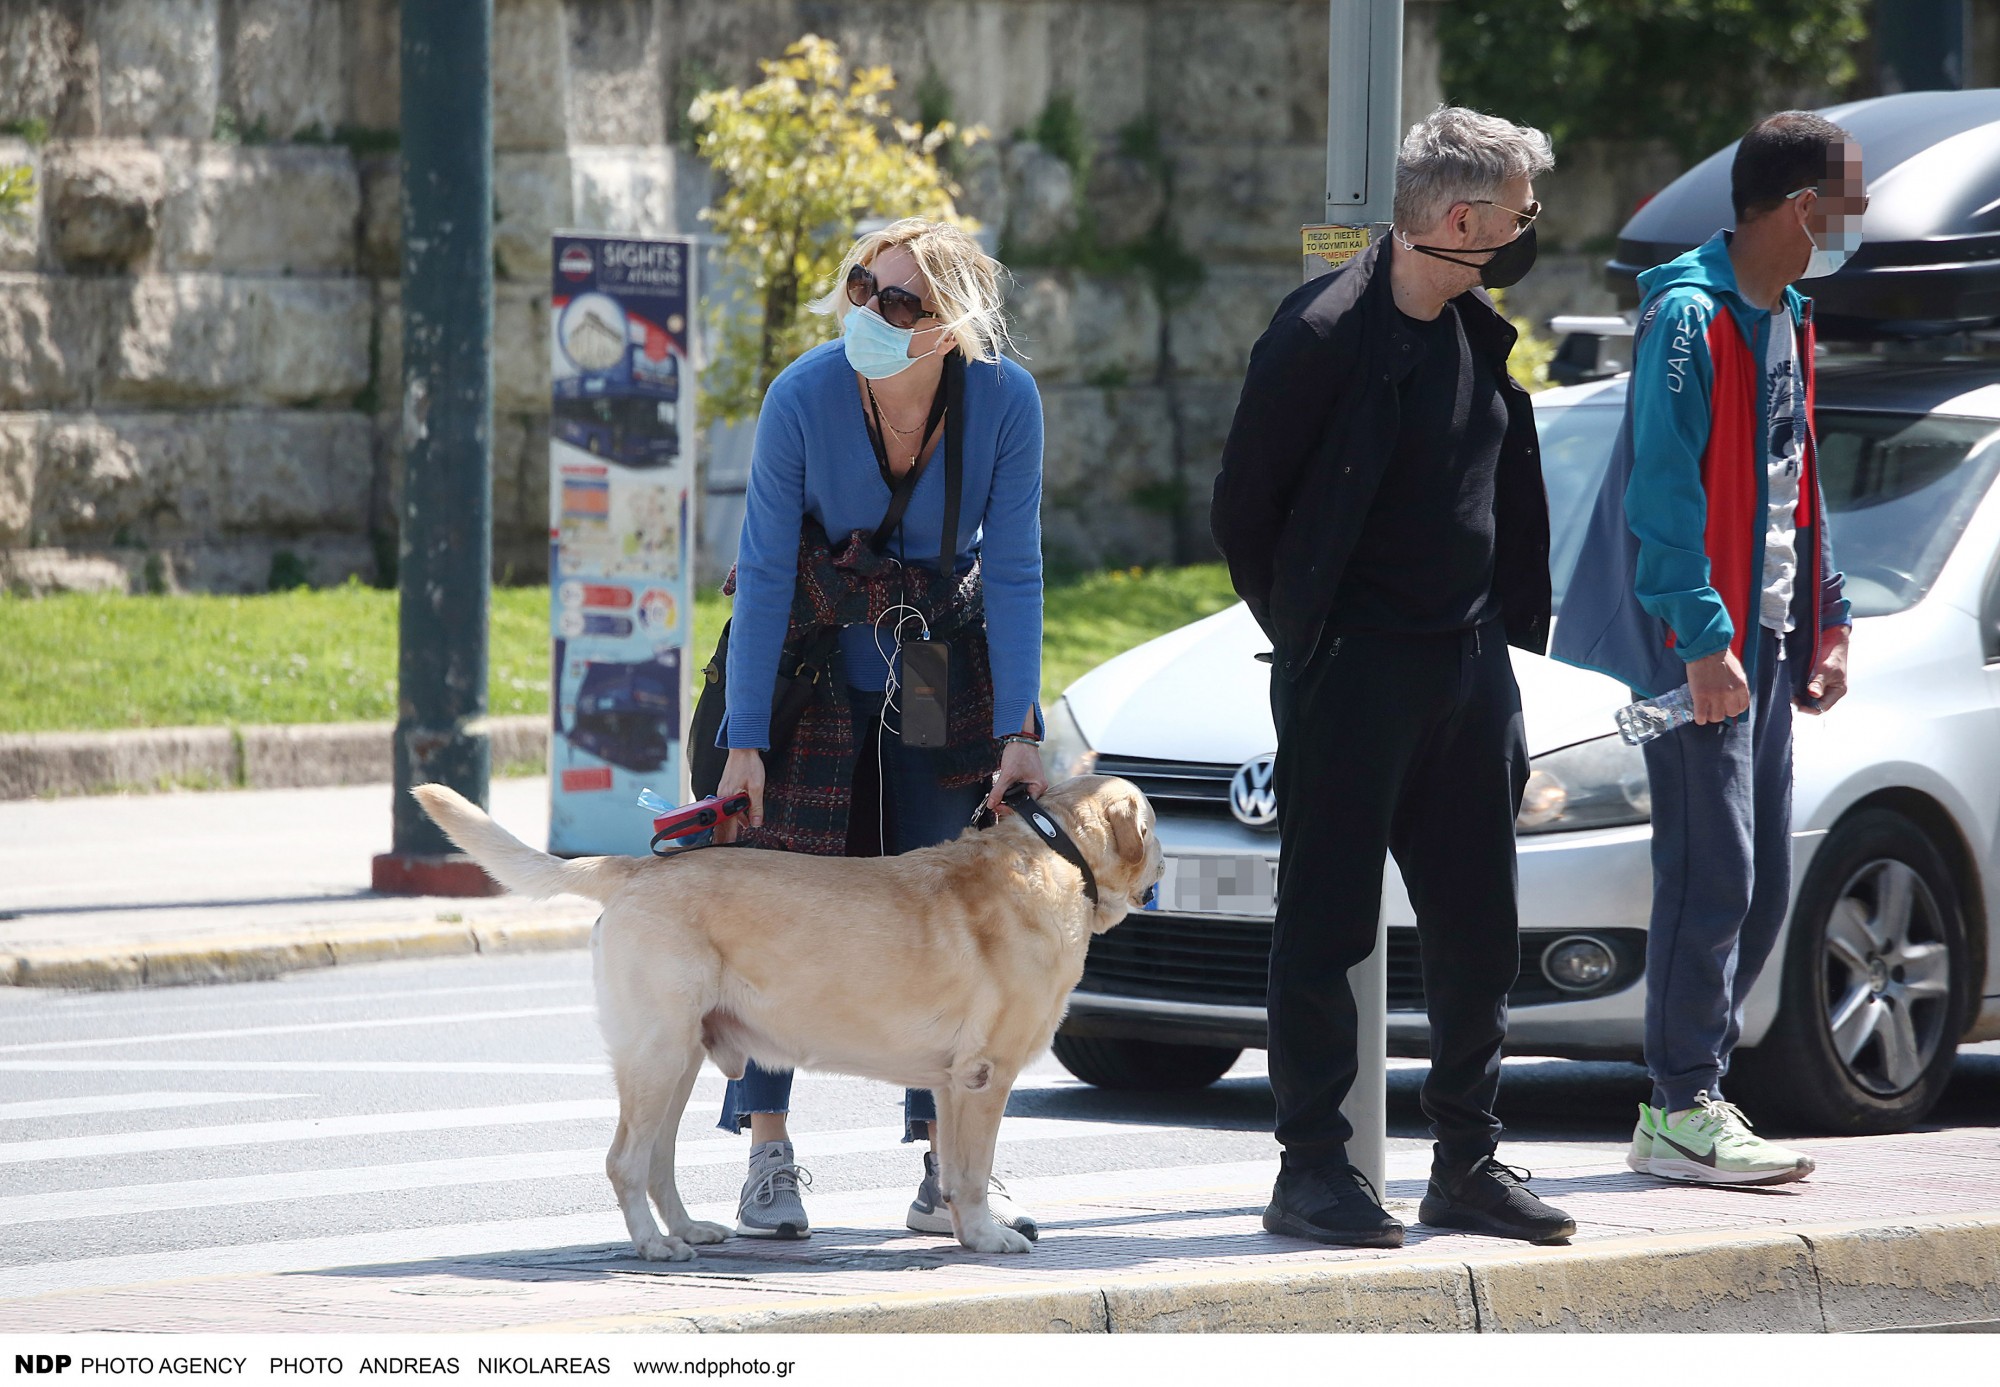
1595, 784
1064, 751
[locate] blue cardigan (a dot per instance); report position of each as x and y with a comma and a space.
812, 456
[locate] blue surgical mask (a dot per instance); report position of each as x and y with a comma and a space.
875, 349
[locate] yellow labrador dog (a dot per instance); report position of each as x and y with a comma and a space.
947, 968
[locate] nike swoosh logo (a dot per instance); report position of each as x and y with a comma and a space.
1697, 1158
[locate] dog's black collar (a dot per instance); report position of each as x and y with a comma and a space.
1044, 826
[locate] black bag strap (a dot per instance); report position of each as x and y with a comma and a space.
948, 403
717, 668
899, 499
800, 673
954, 462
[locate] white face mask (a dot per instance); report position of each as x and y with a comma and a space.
1843, 238
1826, 259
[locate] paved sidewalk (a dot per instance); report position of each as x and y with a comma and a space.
127, 891
1860, 1246
1892, 1231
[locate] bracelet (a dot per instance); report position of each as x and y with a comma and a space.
1024, 738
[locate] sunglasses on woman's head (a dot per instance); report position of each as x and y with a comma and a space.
900, 308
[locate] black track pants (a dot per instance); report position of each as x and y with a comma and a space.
1410, 745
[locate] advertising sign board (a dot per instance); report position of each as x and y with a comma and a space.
621, 533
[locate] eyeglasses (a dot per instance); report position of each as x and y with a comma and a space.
1845, 201
1522, 220
900, 308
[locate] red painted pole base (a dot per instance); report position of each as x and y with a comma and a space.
407, 874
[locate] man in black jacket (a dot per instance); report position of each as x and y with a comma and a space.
1382, 511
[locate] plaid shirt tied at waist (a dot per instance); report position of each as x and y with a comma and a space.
809, 784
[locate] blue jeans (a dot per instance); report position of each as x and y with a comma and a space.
915, 812
1722, 879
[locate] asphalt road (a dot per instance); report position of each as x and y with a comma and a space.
457, 1107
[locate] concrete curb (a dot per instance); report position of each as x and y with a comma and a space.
85, 763
255, 959
44, 764
1834, 1278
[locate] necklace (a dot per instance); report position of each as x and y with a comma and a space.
877, 404
881, 440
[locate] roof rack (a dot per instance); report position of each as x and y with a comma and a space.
1929, 266
1596, 324
1590, 346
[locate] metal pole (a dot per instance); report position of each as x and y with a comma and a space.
1364, 115
446, 542
1364, 110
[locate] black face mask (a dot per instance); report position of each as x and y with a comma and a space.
1502, 270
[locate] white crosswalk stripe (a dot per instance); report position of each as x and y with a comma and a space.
449, 1018
130, 1200
304, 1129
128, 1102
151, 1005
467, 1067
708, 1086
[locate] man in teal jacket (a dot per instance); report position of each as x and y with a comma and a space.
1707, 564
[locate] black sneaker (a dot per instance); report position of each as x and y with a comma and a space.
1488, 1197
1331, 1203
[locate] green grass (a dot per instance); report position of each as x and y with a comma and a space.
1088, 620
87, 661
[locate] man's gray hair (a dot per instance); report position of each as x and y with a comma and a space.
1454, 155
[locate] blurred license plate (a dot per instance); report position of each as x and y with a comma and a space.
1220, 886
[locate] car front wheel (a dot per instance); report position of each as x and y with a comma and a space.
1873, 989
1142, 1064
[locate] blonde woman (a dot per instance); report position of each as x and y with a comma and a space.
916, 379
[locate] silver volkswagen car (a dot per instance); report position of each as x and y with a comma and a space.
1889, 961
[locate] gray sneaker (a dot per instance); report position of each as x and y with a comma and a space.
930, 1214
769, 1206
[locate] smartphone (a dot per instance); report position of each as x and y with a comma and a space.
925, 696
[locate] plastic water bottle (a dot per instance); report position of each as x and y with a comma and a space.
1640, 722
653, 804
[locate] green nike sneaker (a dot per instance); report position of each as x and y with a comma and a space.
1712, 1144
1640, 1156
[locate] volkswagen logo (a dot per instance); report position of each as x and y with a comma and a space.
1251, 798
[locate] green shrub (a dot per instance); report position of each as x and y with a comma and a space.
1695, 73
804, 156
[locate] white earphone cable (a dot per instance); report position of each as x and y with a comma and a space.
891, 686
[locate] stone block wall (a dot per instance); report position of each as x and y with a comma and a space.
199, 320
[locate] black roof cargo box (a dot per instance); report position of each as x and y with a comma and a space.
1929, 263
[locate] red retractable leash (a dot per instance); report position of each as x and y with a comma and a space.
691, 819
